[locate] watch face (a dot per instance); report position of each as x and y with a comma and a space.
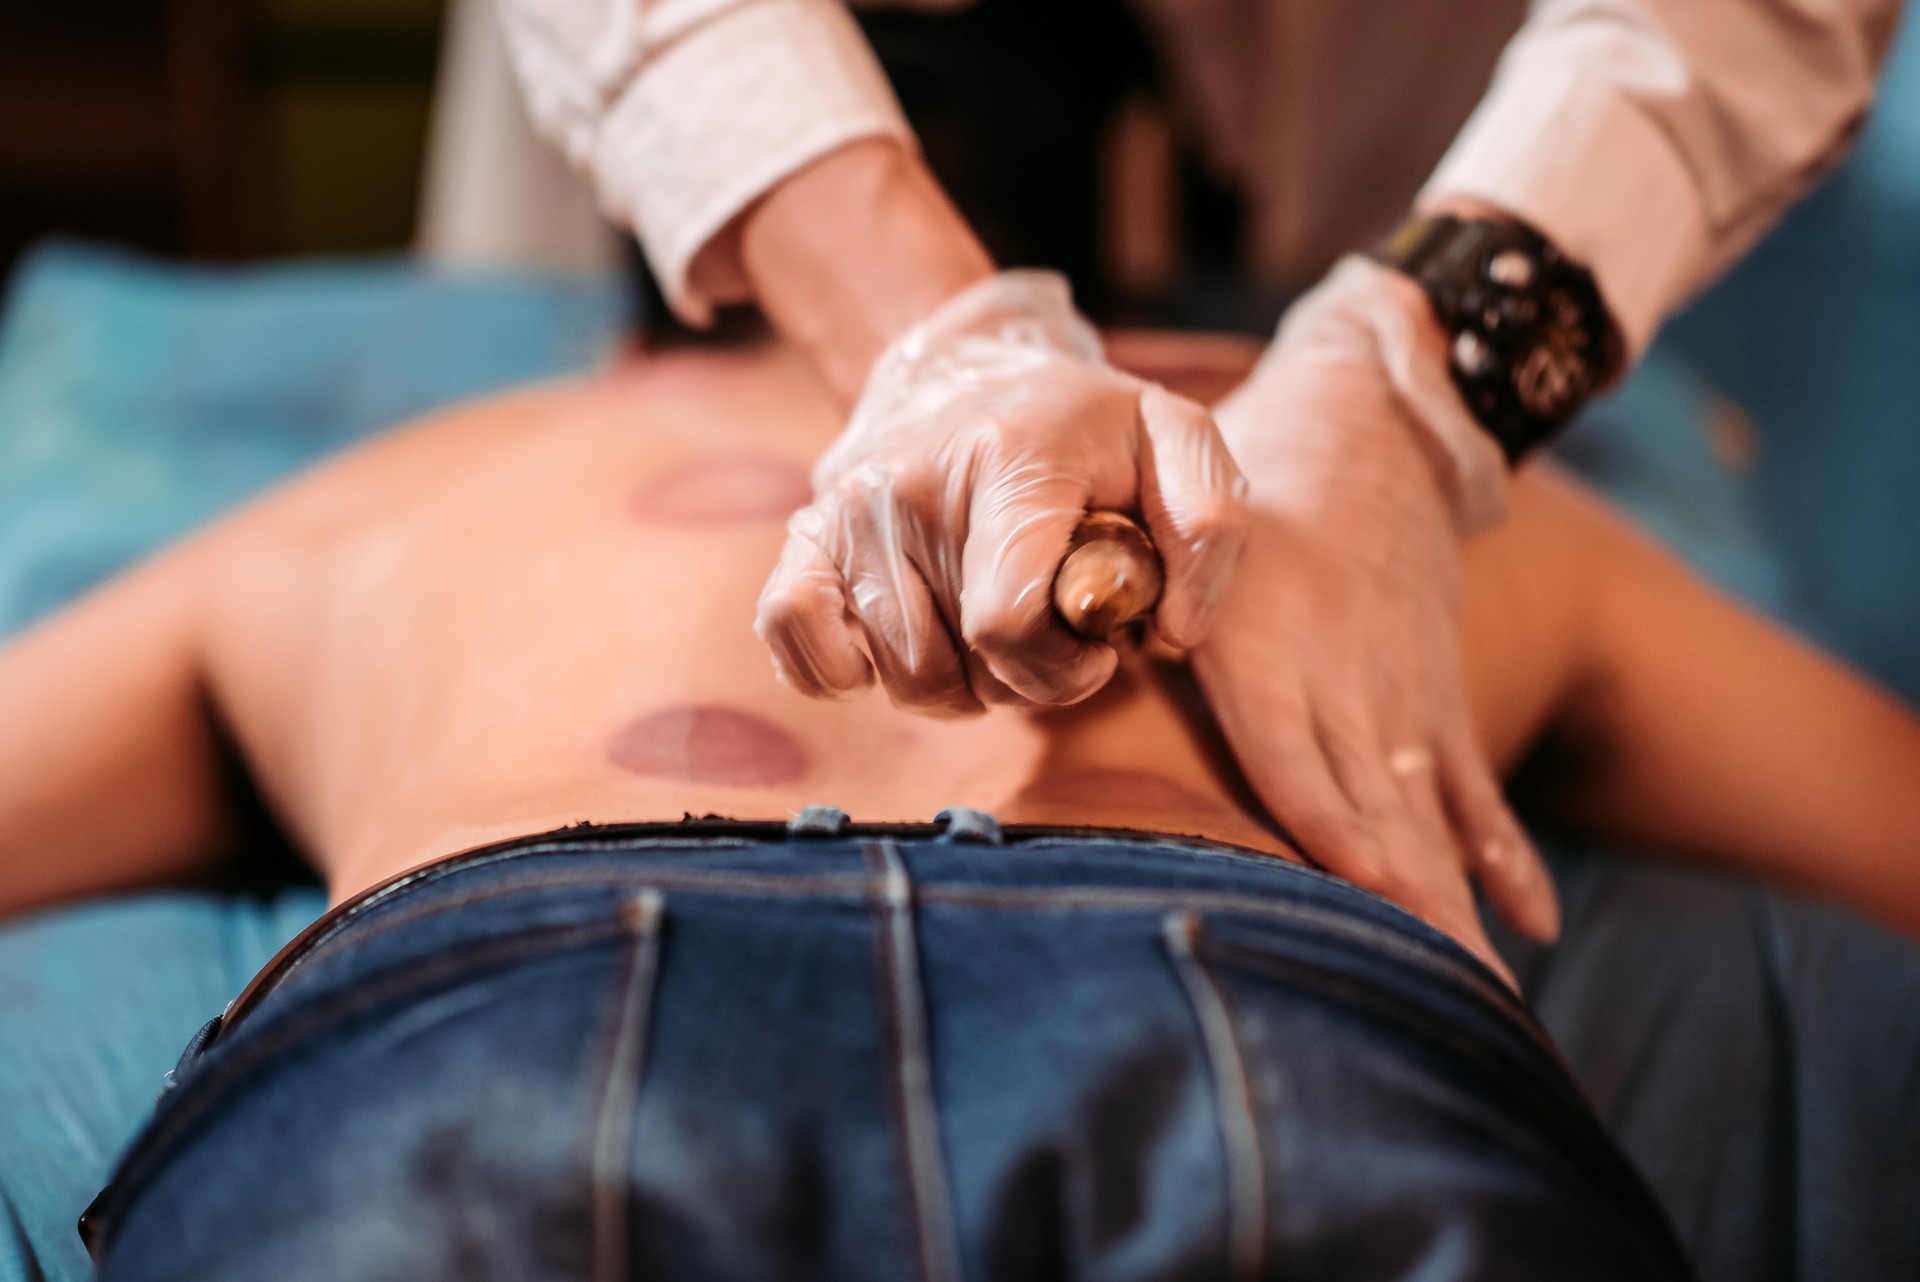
1529, 336
1552, 376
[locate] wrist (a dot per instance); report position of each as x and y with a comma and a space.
1372, 331
1007, 326
851, 251
1323, 418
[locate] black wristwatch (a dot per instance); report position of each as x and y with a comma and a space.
1531, 336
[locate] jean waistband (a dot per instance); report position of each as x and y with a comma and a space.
1223, 876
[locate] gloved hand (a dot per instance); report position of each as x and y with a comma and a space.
944, 509
1334, 667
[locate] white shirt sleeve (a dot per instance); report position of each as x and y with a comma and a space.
683, 112
1654, 140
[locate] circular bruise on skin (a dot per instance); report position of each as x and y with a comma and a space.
709, 743
723, 489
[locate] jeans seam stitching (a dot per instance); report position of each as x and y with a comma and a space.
909, 1075
1232, 1095
847, 885
1559, 1108
818, 885
622, 1065
457, 864
1204, 901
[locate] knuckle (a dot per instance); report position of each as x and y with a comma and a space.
991, 631
777, 611
856, 487
810, 524
781, 622
874, 483
917, 669
791, 603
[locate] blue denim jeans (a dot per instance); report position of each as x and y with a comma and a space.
713, 1051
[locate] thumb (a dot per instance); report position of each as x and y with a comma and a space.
1193, 499
1020, 528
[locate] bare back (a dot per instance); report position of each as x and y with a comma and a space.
537, 610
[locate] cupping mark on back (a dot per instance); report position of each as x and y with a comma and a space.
709, 743
723, 489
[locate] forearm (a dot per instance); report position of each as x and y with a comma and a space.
110, 774
1649, 707
1698, 725
1653, 140
1370, 316
852, 250
755, 148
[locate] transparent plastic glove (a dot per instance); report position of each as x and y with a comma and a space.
1334, 666
944, 509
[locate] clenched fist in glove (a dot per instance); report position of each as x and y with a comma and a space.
1334, 666
942, 513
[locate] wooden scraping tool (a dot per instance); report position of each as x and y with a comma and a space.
1110, 576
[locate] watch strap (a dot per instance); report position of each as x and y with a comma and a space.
1530, 339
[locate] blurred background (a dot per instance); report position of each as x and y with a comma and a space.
240, 130
215, 128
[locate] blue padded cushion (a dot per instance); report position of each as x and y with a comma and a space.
136, 400
96, 1003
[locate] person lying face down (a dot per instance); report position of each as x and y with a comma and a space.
713, 1050
528, 612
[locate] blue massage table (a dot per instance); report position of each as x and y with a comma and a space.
136, 401
1757, 1055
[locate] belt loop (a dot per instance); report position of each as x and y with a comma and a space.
191, 1055
964, 823
817, 821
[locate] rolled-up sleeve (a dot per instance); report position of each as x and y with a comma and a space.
683, 112
1654, 140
